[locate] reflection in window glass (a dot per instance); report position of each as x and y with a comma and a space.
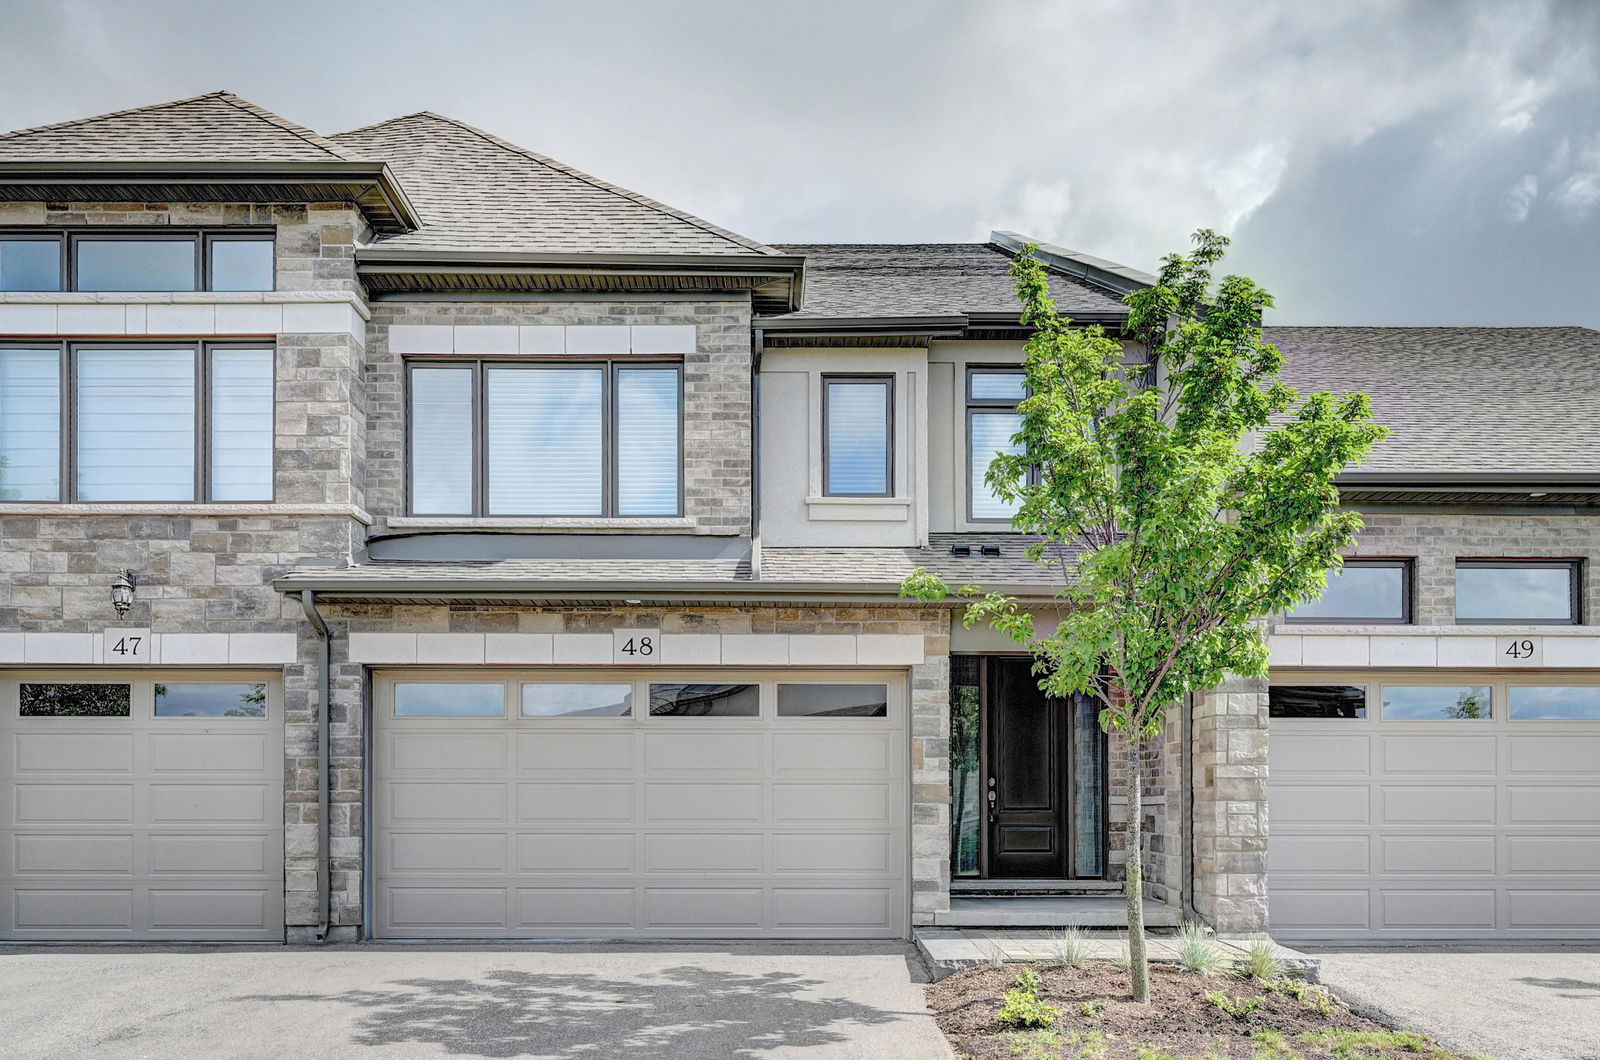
1375, 593
966, 796
705, 701
76, 701
241, 265
1317, 701
1553, 702
30, 425
417, 700
577, 701
211, 701
1514, 591
135, 264
833, 701
1461, 702
30, 265
1010, 387
1088, 788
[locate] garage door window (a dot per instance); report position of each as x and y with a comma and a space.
1455, 702
577, 701
705, 701
1317, 701
210, 701
76, 701
1554, 703
833, 701
415, 700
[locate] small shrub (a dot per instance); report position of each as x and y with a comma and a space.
1240, 1008
997, 955
1198, 951
1072, 947
1289, 985
1028, 980
1091, 1009
1260, 961
1023, 1008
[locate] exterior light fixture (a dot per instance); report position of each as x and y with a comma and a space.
1539, 494
122, 591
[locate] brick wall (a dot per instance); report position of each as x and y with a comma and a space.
716, 387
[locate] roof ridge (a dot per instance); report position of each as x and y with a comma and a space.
222, 94
562, 167
310, 136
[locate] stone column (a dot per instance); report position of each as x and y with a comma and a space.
1229, 745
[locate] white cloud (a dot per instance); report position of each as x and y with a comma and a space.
1520, 198
1579, 190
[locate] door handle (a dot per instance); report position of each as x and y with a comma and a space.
992, 806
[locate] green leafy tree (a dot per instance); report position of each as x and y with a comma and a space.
1197, 488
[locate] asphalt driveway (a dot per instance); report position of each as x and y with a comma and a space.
1508, 1004
593, 1002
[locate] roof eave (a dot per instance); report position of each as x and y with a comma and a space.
372, 185
333, 585
1118, 279
1514, 481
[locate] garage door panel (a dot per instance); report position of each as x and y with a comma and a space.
1320, 804
1438, 754
701, 854
1309, 754
73, 854
1554, 910
418, 801
209, 803
428, 853
40, 910
652, 826
1553, 805
62, 752
1554, 754
194, 753
1320, 854
544, 751
211, 854
1414, 804
44, 804
1437, 854
1553, 854
696, 752
208, 910
447, 752
1453, 908
1324, 907
575, 853
575, 803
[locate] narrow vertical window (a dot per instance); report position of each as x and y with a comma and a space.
647, 441
441, 441
992, 421
546, 441
30, 425
857, 454
136, 424
241, 425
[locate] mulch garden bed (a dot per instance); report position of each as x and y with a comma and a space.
1179, 1023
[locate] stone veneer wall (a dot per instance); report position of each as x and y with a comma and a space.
1162, 803
1229, 745
716, 393
928, 691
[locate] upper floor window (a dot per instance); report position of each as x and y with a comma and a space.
142, 260
1365, 590
992, 421
857, 436
1543, 592
492, 438
136, 422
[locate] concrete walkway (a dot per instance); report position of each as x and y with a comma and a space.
1508, 1004
947, 950
695, 1001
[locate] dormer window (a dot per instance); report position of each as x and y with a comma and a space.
140, 260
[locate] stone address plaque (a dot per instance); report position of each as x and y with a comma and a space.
1519, 651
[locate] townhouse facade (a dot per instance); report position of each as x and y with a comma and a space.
405, 535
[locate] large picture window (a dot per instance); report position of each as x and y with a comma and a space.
101, 259
1363, 591
992, 421
136, 422
1531, 591
491, 438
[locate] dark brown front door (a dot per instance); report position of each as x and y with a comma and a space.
1026, 788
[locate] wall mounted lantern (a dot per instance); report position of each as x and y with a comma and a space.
122, 591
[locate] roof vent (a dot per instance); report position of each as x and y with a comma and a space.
961, 550
991, 550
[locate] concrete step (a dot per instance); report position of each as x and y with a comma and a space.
946, 950
1062, 887
1053, 911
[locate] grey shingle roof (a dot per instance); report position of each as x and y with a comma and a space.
922, 279
1470, 400
215, 127
476, 191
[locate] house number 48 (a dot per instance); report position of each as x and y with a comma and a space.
635, 645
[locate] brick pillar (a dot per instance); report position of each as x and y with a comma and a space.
1230, 806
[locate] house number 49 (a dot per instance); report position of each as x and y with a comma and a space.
1519, 651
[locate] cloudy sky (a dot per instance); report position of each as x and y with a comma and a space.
1376, 161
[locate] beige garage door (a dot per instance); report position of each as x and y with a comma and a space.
678, 805
1452, 805
141, 807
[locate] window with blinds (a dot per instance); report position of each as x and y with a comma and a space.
582, 440
992, 422
857, 429
136, 422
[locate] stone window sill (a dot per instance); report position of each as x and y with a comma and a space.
424, 522
859, 509
223, 510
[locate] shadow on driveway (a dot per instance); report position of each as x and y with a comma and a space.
685, 1011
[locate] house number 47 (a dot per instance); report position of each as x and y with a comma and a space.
126, 647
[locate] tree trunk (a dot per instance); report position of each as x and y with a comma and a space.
1138, 961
